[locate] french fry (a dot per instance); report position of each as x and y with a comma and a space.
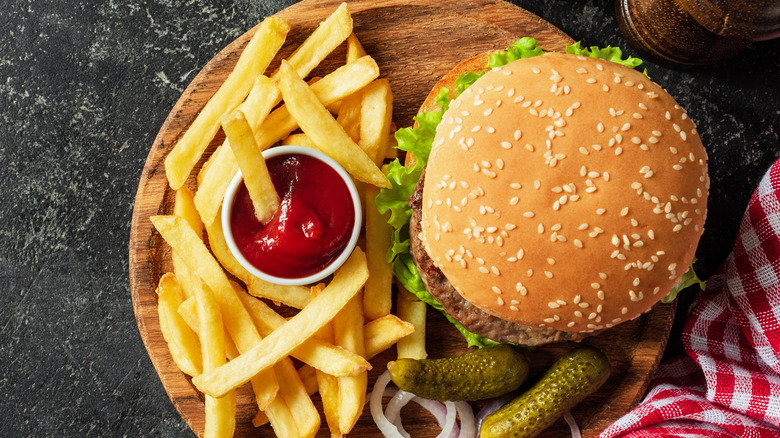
345, 284
412, 310
377, 295
315, 351
255, 58
383, 332
213, 181
349, 110
188, 310
220, 412
293, 296
261, 99
281, 418
333, 87
298, 140
348, 333
291, 389
375, 119
258, 181
239, 324
324, 131
379, 335
327, 384
185, 208
328, 35
183, 343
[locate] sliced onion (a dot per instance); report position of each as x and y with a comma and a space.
393, 410
385, 426
575, 430
467, 429
389, 420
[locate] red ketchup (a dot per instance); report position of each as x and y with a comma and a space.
312, 226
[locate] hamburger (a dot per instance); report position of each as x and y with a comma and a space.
563, 194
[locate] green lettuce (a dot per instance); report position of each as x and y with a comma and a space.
419, 140
688, 279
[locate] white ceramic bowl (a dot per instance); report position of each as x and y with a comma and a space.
230, 196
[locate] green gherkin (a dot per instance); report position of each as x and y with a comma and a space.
485, 373
573, 377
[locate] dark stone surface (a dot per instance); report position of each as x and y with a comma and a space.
84, 88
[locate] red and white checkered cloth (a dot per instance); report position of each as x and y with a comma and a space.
728, 383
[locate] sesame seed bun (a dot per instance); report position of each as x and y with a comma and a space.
564, 192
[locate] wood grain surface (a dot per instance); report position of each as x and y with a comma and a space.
415, 43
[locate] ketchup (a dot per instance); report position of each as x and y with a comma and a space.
311, 227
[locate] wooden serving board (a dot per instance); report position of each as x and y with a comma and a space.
415, 43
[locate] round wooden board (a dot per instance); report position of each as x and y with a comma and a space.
415, 43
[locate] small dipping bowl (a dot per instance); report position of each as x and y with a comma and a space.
230, 197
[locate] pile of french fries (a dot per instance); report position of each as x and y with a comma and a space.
218, 329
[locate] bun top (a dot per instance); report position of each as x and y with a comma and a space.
565, 192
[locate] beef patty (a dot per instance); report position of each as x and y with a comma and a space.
472, 318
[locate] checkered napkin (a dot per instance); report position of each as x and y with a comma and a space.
728, 383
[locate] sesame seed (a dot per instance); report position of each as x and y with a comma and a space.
495, 270
600, 211
578, 314
496, 289
548, 274
591, 80
530, 273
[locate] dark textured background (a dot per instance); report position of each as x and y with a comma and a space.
85, 86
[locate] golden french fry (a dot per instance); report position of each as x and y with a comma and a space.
348, 333
188, 310
345, 284
377, 295
383, 332
314, 351
211, 189
298, 140
255, 58
214, 181
258, 181
239, 324
220, 412
183, 343
328, 35
342, 82
325, 131
335, 86
185, 208
293, 296
349, 110
379, 335
262, 98
293, 392
329, 394
376, 119
412, 310
281, 419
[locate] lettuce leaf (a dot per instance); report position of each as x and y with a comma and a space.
688, 279
419, 140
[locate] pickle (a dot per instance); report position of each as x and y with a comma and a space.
572, 378
485, 373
